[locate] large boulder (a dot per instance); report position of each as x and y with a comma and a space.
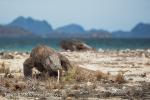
45, 60
75, 45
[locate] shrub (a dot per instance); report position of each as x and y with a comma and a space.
100, 75
76, 87
19, 86
77, 74
120, 78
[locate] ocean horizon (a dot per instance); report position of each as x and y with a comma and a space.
26, 44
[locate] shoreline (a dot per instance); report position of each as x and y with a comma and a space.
61, 50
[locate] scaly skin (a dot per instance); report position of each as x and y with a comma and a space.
45, 60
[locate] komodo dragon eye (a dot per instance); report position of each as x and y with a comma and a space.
53, 62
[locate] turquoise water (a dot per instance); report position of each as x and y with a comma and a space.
22, 44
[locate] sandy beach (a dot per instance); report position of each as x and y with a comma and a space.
133, 65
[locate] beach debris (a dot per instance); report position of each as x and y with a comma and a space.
7, 56
7, 75
46, 61
143, 75
75, 45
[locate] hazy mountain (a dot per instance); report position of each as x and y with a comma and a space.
23, 26
71, 28
97, 30
85, 34
121, 34
95, 33
141, 30
8, 31
34, 26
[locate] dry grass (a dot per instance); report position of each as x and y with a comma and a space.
72, 75
75, 76
14, 85
51, 83
56, 86
119, 78
78, 74
7, 83
19, 86
100, 75
4, 68
76, 87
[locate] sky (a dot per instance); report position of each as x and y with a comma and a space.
100, 14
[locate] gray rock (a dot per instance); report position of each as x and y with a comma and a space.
75, 45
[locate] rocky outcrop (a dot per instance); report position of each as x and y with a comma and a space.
75, 45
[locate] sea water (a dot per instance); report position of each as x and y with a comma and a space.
26, 44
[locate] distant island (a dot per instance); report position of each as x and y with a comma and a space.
141, 30
29, 27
